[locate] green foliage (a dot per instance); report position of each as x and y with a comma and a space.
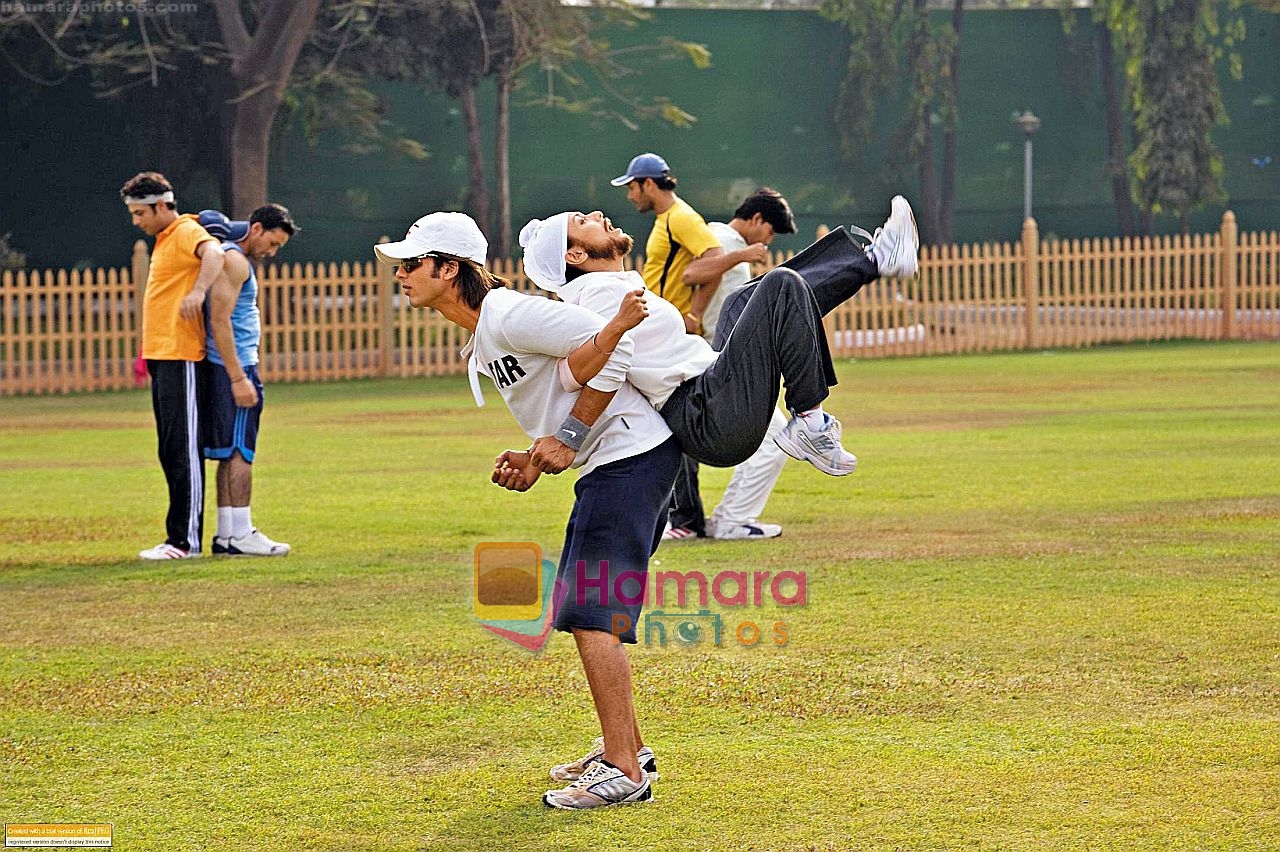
10, 258
877, 32
1170, 48
892, 39
1177, 102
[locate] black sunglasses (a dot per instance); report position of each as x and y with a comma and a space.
411, 263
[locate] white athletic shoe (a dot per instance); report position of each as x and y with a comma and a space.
677, 533
573, 771
820, 446
255, 544
601, 785
164, 551
896, 244
754, 531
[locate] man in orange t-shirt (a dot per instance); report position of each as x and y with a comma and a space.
184, 265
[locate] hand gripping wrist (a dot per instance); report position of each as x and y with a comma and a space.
572, 433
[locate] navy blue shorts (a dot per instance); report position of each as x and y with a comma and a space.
615, 526
229, 428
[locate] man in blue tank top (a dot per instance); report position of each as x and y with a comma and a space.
235, 390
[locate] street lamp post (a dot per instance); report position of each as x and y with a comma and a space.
1029, 124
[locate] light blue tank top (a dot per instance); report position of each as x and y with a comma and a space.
246, 321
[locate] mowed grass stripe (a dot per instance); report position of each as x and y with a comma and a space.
1043, 614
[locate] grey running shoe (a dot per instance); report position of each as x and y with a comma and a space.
573, 771
601, 785
819, 447
896, 244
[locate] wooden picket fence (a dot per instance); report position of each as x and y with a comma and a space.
63, 331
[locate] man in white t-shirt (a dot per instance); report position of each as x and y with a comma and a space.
763, 215
719, 405
625, 452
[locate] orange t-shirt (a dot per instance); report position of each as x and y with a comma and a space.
166, 336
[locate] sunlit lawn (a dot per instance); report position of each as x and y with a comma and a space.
1044, 614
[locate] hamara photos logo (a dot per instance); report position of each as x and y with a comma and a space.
517, 592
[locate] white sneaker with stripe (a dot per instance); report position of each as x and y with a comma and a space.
600, 786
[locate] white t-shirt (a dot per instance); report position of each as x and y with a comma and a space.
663, 354
517, 343
733, 279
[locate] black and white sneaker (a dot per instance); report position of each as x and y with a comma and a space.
255, 544
603, 784
573, 771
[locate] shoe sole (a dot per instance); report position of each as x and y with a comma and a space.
799, 454
643, 800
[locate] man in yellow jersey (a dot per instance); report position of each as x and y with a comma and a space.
683, 262
184, 265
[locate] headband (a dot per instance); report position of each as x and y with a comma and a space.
149, 199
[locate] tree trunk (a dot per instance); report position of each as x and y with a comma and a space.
917, 47
502, 164
251, 141
1117, 155
479, 193
928, 182
951, 142
261, 64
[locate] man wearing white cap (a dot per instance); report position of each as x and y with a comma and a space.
184, 265
719, 405
624, 450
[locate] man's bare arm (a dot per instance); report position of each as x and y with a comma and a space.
226, 290
589, 359
211, 262
711, 264
704, 275
549, 454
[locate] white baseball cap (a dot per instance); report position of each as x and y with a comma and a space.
448, 233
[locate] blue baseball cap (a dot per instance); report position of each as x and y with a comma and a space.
643, 166
219, 225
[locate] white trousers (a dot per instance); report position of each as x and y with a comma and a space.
752, 482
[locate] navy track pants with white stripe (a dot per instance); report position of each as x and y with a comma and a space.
176, 391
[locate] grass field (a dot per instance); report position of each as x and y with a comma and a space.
1044, 614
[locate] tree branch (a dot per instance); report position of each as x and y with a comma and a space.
277, 41
71, 19
234, 33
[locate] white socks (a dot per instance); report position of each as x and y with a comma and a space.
224, 523
241, 525
234, 522
813, 419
